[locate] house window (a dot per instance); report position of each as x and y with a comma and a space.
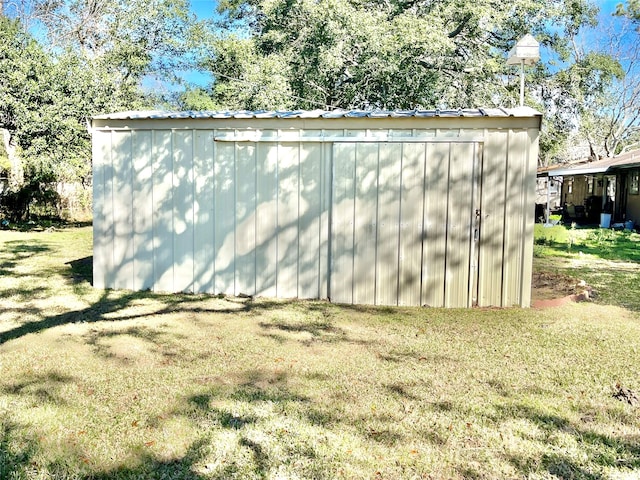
590, 185
570, 186
634, 178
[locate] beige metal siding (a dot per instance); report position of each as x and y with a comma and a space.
122, 192
342, 228
411, 223
266, 219
398, 216
388, 223
288, 210
142, 210
508, 185
379, 235
309, 220
435, 224
102, 221
528, 212
364, 221
203, 210
224, 218
492, 219
245, 221
162, 198
183, 206
459, 225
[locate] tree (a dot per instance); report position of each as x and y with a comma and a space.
630, 10
97, 54
44, 103
377, 54
594, 95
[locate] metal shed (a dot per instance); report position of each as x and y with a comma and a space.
367, 207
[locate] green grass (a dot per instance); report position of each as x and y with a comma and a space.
607, 260
99, 385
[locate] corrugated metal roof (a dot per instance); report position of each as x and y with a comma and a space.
478, 112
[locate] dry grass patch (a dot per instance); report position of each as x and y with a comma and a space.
136, 385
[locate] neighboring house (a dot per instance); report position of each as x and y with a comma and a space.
588, 189
547, 193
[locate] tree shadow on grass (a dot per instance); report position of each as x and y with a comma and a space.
602, 450
43, 387
16, 450
17, 453
252, 401
16, 251
112, 302
151, 467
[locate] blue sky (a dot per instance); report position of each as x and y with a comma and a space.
203, 8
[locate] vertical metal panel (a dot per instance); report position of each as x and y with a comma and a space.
162, 165
245, 263
102, 220
492, 219
183, 202
365, 223
513, 221
266, 218
411, 218
326, 219
288, 215
435, 224
341, 288
475, 231
459, 226
203, 212
142, 182
309, 220
224, 214
390, 165
528, 188
122, 211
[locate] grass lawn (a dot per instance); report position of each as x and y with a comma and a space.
607, 260
99, 385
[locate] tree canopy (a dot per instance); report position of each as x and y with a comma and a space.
62, 61
379, 54
94, 58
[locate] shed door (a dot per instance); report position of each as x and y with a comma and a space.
404, 225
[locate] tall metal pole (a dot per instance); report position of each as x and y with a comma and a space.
548, 199
522, 82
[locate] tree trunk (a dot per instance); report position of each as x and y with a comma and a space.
16, 173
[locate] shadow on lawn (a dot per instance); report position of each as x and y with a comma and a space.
151, 467
17, 452
16, 251
603, 450
248, 402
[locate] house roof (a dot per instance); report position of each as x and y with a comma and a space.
478, 112
627, 160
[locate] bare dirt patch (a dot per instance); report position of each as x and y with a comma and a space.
550, 289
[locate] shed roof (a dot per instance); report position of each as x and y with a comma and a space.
240, 114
